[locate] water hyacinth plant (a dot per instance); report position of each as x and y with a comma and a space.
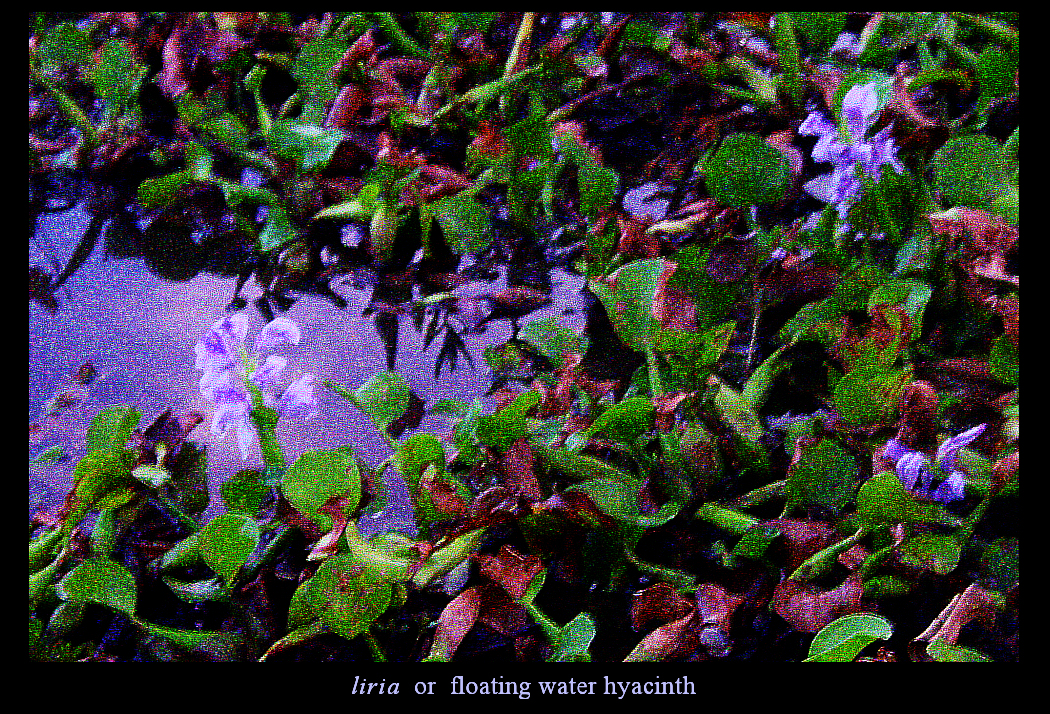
853, 155
241, 388
712, 432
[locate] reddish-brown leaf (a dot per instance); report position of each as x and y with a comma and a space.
510, 569
809, 608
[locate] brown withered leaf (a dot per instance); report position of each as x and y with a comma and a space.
801, 539
987, 240
657, 605
518, 464
1008, 309
286, 513
809, 608
672, 307
674, 640
510, 569
578, 508
635, 240
499, 612
1005, 471
556, 401
917, 427
974, 603
455, 622
490, 141
889, 327
442, 494
328, 544
168, 430
715, 608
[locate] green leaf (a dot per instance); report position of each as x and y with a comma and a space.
825, 475
116, 78
754, 543
391, 553
574, 639
348, 597
939, 553
531, 138
818, 30
871, 394
912, 295
384, 398
227, 542
416, 454
318, 476
747, 171
103, 480
312, 71
464, 221
970, 171
1001, 564
787, 52
612, 497
941, 651
509, 424
212, 642
623, 422
598, 187
278, 230
552, 340
311, 147
64, 45
883, 500
244, 492
112, 427
360, 208
630, 303
841, 640
1004, 360
995, 74
101, 581
851, 293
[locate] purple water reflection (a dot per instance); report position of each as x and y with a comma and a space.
139, 332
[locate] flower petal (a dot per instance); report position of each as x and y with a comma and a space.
299, 400
949, 449
280, 331
951, 489
267, 375
858, 109
913, 467
218, 348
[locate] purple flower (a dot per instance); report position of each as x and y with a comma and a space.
842, 186
229, 370
919, 476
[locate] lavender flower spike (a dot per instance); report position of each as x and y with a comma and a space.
917, 474
841, 187
229, 371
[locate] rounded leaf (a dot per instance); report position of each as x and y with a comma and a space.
843, 639
227, 541
970, 171
746, 171
101, 581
